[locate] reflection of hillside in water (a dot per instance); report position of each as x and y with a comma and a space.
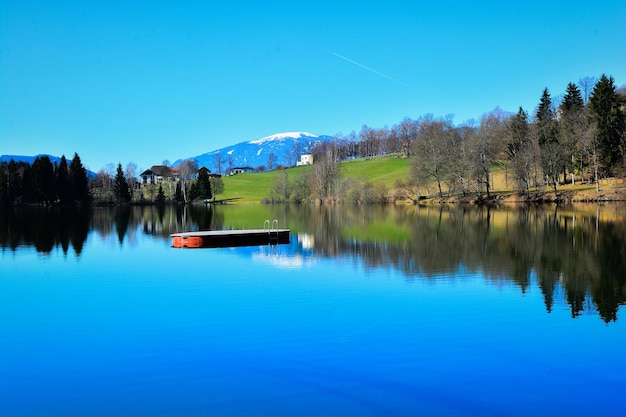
581, 253
576, 256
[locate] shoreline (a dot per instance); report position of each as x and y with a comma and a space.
610, 192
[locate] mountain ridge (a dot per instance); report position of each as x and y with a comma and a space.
31, 158
286, 147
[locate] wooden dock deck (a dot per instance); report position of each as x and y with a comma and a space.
229, 238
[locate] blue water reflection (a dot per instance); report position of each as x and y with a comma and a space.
135, 327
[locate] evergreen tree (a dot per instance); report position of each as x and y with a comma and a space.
545, 119
42, 188
120, 187
14, 182
572, 127
606, 111
27, 191
519, 149
79, 181
179, 193
64, 186
4, 171
573, 100
192, 191
519, 136
552, 161
160, 198
203, 186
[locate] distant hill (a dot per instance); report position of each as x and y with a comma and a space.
287, 148
29, 159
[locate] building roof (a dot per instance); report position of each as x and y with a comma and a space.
162, 170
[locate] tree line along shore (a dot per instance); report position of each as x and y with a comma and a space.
572, 148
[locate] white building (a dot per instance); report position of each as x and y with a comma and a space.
306, 159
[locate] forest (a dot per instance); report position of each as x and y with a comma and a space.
576, 137
579, 136
44, 183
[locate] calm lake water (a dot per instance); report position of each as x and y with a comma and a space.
437, 311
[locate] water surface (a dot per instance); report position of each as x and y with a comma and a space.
368, 311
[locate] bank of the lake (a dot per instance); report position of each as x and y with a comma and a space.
388, 172
610, 191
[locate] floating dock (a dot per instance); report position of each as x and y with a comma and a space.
229, 238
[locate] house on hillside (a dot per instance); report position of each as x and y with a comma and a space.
306, 159
205, 169
157, 174
208, 171
240, 170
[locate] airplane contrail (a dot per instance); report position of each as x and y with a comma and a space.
374, 71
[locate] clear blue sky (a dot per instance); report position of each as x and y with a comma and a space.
144, 81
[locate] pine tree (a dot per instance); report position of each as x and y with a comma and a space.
552, 161
519, 149
42, 187
545, 119
610, 119
79, 181
573, 100
179, 193
120, 187
3, 182
203, 185
518, 132
14, 189
572, 127
64, 186
160, 198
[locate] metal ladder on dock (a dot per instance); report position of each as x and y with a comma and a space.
272, 230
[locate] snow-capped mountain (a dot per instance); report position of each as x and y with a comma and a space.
286, 148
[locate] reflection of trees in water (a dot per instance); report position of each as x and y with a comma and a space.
578, 253
44, 229
576, 257
159, 221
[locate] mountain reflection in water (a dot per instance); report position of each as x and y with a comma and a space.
576, 251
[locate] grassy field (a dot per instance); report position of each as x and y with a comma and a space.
377, 171
254, 187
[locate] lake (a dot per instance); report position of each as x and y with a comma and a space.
368, 311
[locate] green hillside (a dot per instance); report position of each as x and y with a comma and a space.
253, 187
377, 171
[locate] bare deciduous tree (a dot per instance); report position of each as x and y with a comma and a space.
326, 173
271, 158
519, 150
217, 186
431, 150
131, 176
186, 171
487, 146
217, 160
586, 87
